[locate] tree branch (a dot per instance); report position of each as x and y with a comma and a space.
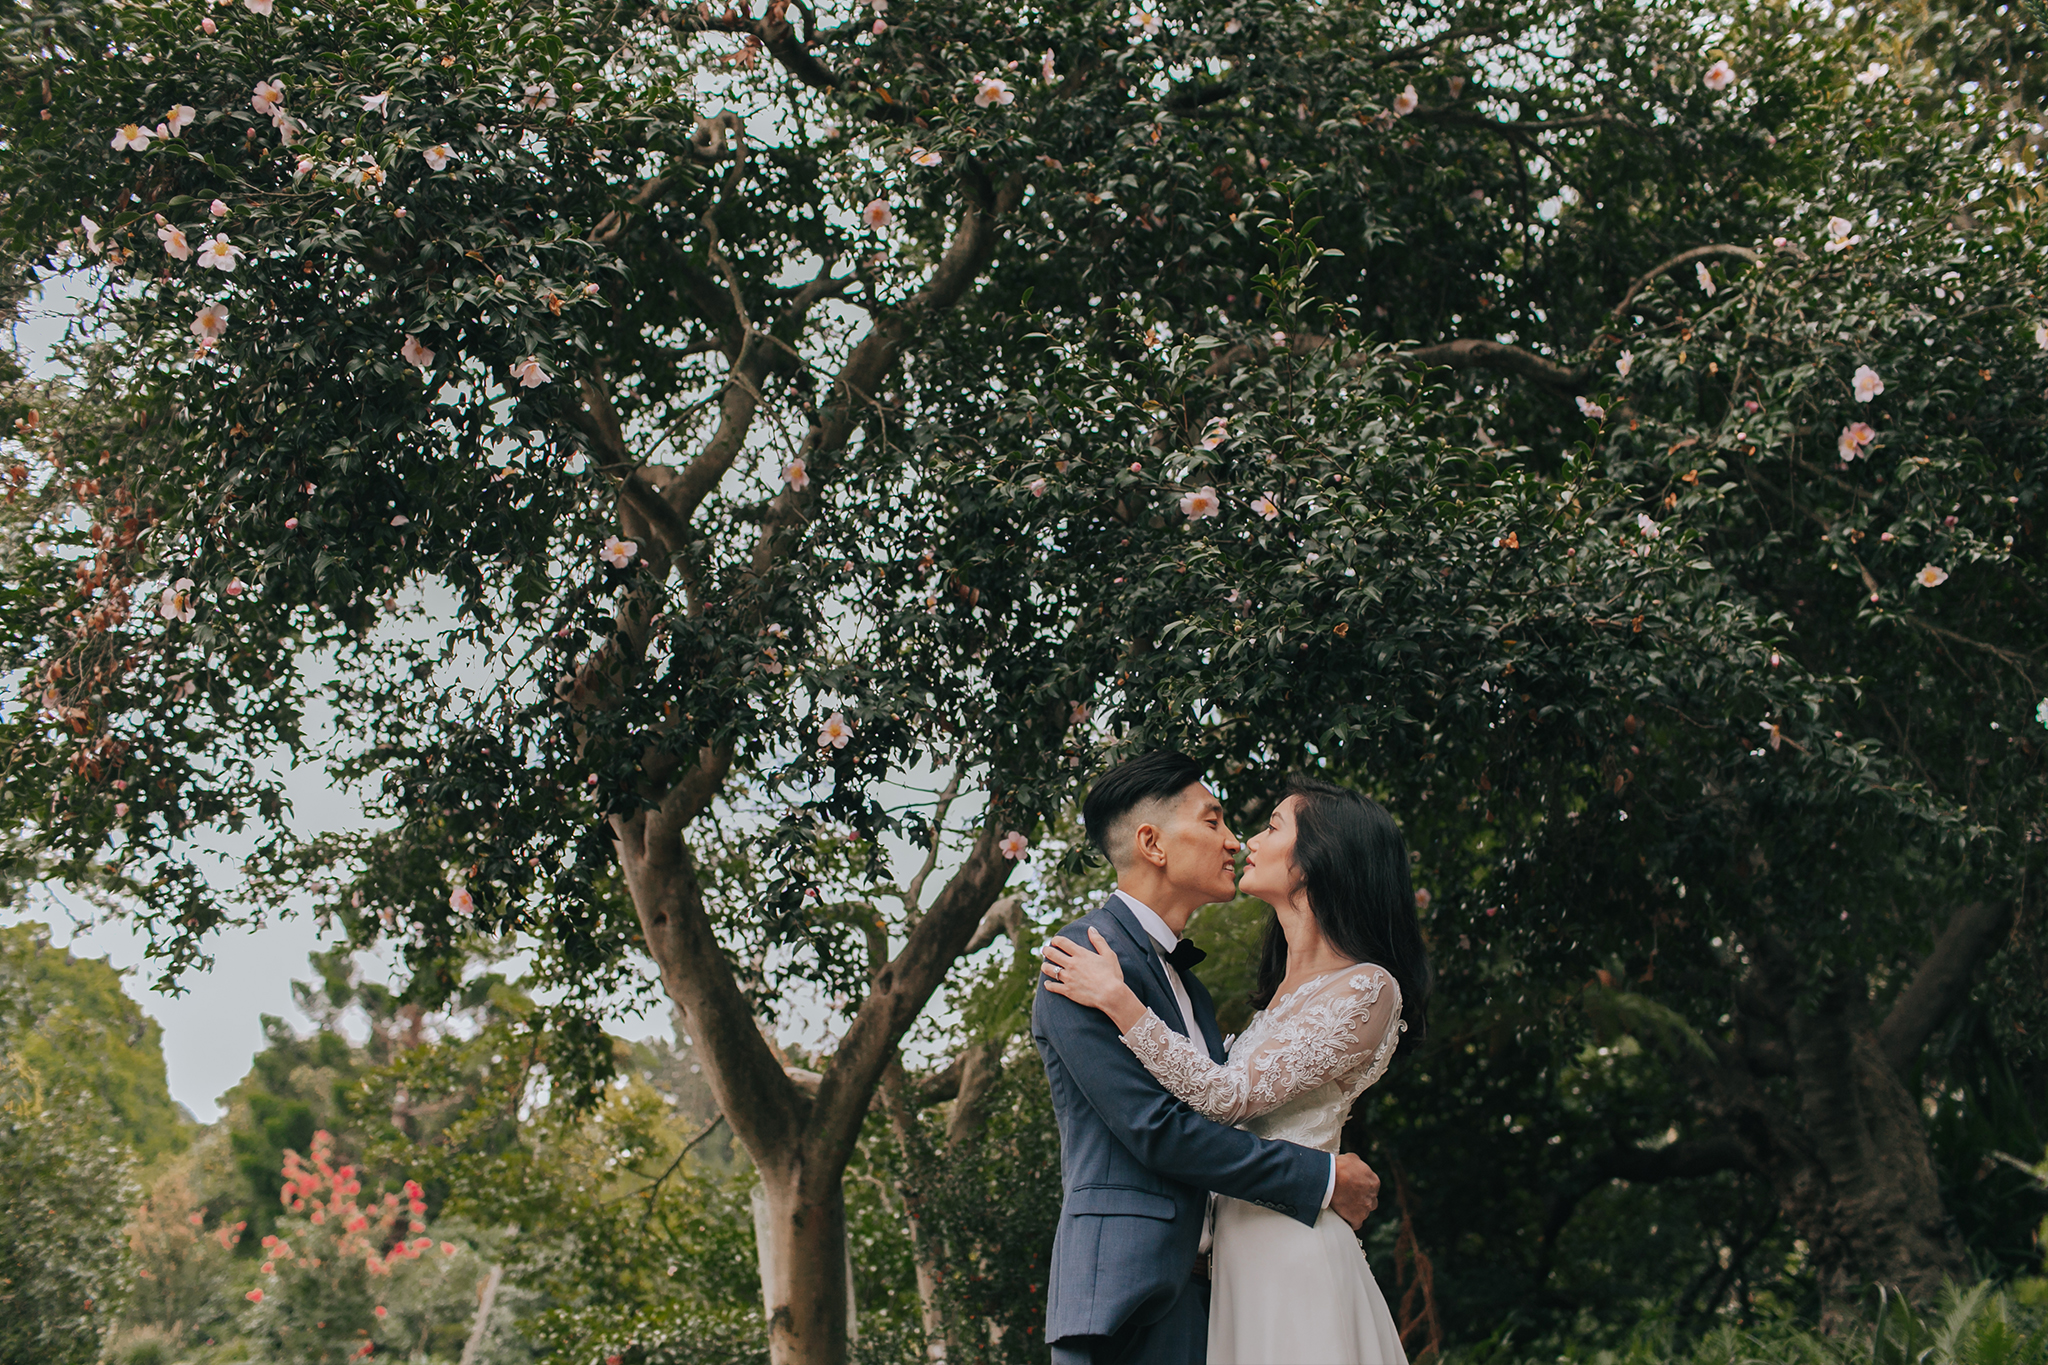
1972, 934
1698, 253
1494, 355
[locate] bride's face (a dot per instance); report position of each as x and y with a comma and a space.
1269, 858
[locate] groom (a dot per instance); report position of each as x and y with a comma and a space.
1127, 1287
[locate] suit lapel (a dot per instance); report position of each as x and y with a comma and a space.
1169, 1008
1205, 1015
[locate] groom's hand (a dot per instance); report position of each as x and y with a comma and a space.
1358, 1190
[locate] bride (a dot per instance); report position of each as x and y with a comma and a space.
1343, 962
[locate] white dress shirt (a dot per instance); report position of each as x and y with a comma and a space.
1166, 941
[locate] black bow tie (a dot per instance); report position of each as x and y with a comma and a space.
1184, 956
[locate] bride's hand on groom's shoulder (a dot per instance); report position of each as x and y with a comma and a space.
1094, 979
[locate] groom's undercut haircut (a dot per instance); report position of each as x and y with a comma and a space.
1129, 794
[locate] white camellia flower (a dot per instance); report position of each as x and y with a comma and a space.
1872, 74
529, 373
268, 97
262, 7
177, 603
1649, 528
835, 731
618, 553
438, 156
990, 90
1866, 384
92, 233
175, 242
1588, 408
461, 902
1933, 576
1624, 362
1719, 76
1203, 502
2041, 712
1705, 277
1855, 440
877, 214
211, 322
179, 119
1046, 71
132, 137
1146, 22
920, 156
1266, 507
217, 253
1216, 433
2041, 335
540, 95
1014, 845
796, 476
416, 353
376, 104
1841, 235
1405, 102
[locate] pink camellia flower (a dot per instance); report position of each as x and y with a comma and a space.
120, 810
1855, 440
177, 603
401, 520
1078, 711
305, 165
217, 253
529, 373
376, 104
262, 7
1457, 86
1841, 235
1014, 845
1933, 576
1866, 384
267, 98
1590, 409
796, 476
1146, 23
254, 1296
1038, 487
381, 1311
1216, 433
211, 322
175, 242
1624, 362
1203, 502
1266, 507
208, 27
291, 523
540, 96
438, 156
235, 587
1423, 898
132, 137
415, 353
877, 214
619, 553
179, 119
1719, 76
1705, 277
1405, 102
990, 90
923, 156
1649, 528
217, 209
835, 732
1046, 72
447, 1248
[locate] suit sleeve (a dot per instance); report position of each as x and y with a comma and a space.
1166, 1136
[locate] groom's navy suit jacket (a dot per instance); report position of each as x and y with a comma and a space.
1135, 1161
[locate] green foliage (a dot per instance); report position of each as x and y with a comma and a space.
72, 1022
65, 1191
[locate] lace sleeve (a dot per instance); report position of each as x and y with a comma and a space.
1340, 1025
1185, 1070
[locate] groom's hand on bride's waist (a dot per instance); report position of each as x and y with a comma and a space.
1358, 1190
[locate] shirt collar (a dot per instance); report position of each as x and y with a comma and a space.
1149, 918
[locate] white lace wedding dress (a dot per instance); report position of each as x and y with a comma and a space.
1283, 1293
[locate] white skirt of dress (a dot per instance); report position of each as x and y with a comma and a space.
1283, 1293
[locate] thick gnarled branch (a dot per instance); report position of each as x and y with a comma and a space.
1971, 935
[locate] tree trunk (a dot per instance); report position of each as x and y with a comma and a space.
805, 1281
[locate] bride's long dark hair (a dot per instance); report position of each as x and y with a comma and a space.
1354, 866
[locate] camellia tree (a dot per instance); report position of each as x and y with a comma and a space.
648, 426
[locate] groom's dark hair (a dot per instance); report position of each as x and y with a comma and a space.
1159, 776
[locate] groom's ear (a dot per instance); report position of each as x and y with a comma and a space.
1147, 840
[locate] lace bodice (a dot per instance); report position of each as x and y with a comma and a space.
1294, 1071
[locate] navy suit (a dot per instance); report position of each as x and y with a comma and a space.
1135, 1163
